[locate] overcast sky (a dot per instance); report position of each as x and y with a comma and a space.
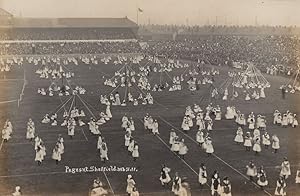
230, 12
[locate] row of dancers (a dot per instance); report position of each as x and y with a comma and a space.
114, 99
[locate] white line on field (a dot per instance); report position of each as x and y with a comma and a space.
9, 101
7, 80
23, 88
109, 183
1, 144
84, 135
32, 174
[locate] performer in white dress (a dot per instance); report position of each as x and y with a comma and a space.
155, 128
262, 178
98, 189
266, 140
200, 138
290, 118
201, 124
295, 121
39, 155
226, 187
92, 126
239, 139
108, 112
202, 177
209, 125
131, 124
164, 175
275, 143
284, 121
209, 147
99, 142
30, 130
276, 117
130, 184
172, 137
251, 171
218, 113
117, 99
37, 142
248, 141
176, 184
135, 192
104, 152
256, 146
183, 149
135, 152
127, 138
262, 93
176, 145
17, 191
46, 119
297, 179
71, 127
280, 187
247, 98
125, 121
146, 122
185, 124
251, 123
131, 146
190, 121
285, 171
242, 120
56, 154
215, 184
229, 113
6, 135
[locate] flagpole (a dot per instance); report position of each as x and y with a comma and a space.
137, 12
137, 16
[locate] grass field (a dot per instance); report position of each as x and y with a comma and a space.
17, 166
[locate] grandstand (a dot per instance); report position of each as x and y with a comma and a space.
5, 18
17, 29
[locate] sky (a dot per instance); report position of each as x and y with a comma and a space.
187, 12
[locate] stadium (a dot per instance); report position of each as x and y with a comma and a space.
73, 88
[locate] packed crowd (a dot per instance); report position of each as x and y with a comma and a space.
69, 48
276, 52
66, 34
212, 29
220, 50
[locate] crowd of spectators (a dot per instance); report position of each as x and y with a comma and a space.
69, 48
219, 50
66, 34
263, 50
219, 30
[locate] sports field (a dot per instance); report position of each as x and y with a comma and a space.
17, 165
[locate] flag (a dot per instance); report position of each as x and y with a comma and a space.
140, 10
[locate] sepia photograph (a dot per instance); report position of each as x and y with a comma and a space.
149, 97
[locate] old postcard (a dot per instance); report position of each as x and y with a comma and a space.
149, 97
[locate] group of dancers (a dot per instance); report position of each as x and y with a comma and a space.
260, 177
130, 143
194, 116
180, 187
115, 100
